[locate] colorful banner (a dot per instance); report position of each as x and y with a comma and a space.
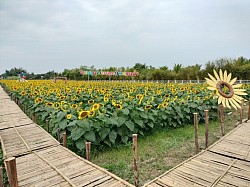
110, 73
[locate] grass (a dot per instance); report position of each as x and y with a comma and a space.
160, 151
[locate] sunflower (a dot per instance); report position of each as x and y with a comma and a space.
91, 101
74, 106
227, 92
118, 106
105, 99
148, 107
57, 105
69, 116
83, 114
91, 113
95, 107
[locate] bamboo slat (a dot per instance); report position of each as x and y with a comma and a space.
18, 141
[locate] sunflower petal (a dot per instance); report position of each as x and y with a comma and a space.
221, 75
240, 93
233, 81
236, 103
210, 82
225, 75
211, 88
237, 97
231, 102
223, 101
227, 104
212, 78
220, 100
237, 86
229, 77
216, 76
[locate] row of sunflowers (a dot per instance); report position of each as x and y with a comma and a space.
110, 112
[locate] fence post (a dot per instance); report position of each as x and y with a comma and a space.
11, 171
58, 135
206, 127
222, 127
196, 132
64, 139
88, 148
241, 111
1, 176
136, 173
249, 109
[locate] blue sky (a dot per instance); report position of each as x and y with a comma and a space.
44, 35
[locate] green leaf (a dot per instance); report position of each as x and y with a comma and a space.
124, 139
121, 121
83, 123
72, 123
62, 124
143, 115
77, 133
112, 121
61, 115
125, 111
112, 136
80, 144
130, 125
90, 136
104, 133
164, 116
139, 122
151, 125
151, 117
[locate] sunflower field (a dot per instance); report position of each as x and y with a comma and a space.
108, 113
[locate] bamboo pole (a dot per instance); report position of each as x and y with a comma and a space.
36, 115
222, 126
11, 171
196, 132
249, 109
88, 147
47, 125
1, 176
58, 134
206, 127
64, 139
241, 111
136, 173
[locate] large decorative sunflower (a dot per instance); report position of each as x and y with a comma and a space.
227, 92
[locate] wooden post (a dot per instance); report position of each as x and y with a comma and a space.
64, 139
222, 120
136, 173
47, 125
33, 117
11, 171
1, 176
88, 146
241, 111
36, 118
249, 109
58, 134
196, 132
206, 127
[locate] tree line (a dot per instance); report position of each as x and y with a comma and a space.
239, 67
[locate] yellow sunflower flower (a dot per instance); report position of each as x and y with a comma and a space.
227, 92
118, 106
83, 114
69, 116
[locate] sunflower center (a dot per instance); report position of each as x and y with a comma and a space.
225, 89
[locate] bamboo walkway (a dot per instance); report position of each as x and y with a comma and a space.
225, 163
40, 159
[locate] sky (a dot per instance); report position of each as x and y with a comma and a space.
45, 35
